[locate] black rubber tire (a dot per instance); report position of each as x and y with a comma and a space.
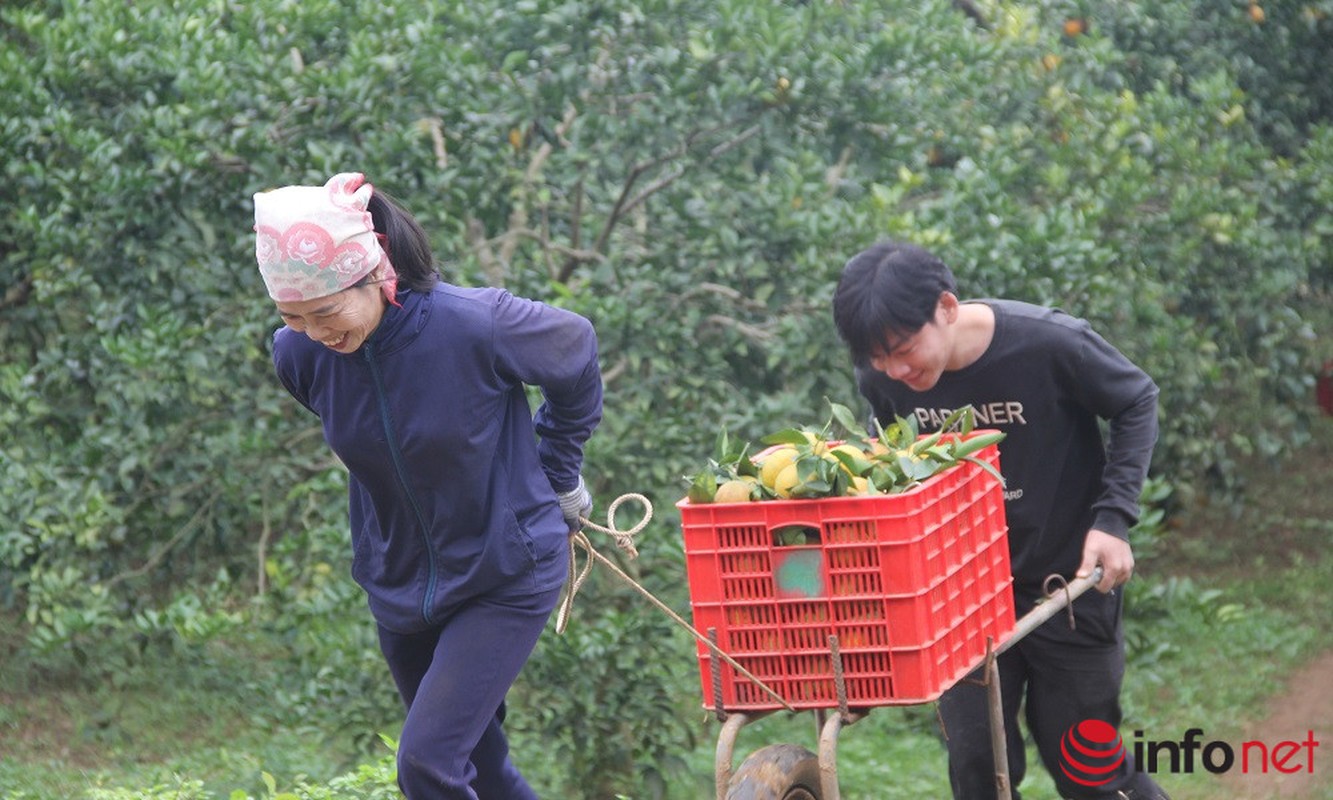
777, 772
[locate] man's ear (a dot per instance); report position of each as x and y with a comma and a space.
948, 306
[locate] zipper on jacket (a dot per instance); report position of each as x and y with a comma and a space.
401, 471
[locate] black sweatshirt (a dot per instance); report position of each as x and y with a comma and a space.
1046, 380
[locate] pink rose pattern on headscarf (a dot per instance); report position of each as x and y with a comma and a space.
314, 241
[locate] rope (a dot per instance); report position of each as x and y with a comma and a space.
625, 541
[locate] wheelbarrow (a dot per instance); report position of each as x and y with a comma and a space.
792, 772
878, 570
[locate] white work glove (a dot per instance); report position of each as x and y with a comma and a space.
575, 503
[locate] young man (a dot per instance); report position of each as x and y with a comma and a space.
1046, 380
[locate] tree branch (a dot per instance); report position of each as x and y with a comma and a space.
617, 369
731, 295
754, 333
970, 9
265, 536
17, 294
156, 558
626, 203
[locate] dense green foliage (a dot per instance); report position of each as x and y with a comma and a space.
690, 175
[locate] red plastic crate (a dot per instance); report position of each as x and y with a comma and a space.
912, 585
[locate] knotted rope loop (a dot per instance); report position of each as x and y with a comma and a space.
624, 540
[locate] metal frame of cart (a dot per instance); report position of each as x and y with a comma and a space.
796, 776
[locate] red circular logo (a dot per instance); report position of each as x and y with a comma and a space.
1090, 752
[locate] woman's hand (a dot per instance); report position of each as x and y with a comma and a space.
575, 503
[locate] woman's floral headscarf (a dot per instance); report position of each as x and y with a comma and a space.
314, 241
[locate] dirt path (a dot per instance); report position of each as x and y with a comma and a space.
1305, 705
1290, 508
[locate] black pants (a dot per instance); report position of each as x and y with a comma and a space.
1061, 677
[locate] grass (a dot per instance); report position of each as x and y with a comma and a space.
206, 715
1235, 602
149, 734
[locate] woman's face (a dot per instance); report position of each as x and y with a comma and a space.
341, 322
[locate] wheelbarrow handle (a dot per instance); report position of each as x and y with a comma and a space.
1054, 603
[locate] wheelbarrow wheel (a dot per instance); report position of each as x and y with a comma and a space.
777, 772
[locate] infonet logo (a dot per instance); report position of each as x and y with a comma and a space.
1092, 753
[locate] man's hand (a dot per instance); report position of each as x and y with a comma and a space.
1113, 554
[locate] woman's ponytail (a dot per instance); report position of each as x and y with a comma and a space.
408, 246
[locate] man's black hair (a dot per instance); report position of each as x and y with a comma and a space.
889, 290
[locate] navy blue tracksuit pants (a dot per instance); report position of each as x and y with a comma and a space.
453, 680
1064, 677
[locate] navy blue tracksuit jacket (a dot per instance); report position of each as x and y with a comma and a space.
453, 478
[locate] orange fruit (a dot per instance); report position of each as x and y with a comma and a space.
733, 491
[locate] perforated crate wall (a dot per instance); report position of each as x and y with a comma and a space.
912, 585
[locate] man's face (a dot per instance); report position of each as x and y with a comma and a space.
917, 360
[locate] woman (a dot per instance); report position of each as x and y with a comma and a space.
461, 499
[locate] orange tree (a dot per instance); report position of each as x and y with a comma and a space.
691, 175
